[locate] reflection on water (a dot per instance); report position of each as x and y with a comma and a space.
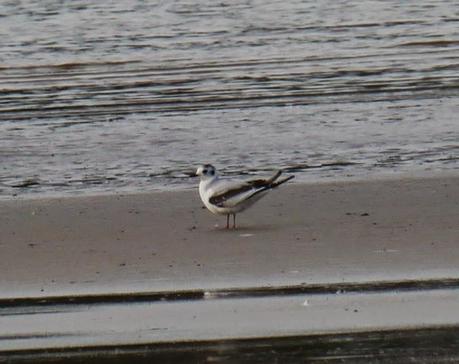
130, 95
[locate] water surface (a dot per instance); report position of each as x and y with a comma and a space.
129, 96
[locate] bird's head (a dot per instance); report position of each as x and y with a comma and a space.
206, 171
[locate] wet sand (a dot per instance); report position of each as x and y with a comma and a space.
299, 234
72, 266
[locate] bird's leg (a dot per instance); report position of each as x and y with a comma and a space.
227, 221
234, 221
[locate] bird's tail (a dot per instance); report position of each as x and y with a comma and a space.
271, 183
278, 183
271, 180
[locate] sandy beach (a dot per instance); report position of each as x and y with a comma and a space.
299, 234
373, 233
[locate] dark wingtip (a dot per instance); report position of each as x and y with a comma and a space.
278, 183
273, 178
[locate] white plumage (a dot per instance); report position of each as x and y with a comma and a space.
228, 197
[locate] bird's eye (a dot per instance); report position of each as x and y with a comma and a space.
204, 171
211, 172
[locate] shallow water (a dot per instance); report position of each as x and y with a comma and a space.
129, 96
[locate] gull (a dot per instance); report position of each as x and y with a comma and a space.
223, 196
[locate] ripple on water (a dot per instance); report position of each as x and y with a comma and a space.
132, 96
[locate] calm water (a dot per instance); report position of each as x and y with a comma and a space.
129, 95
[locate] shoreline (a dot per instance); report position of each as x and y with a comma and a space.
303, 180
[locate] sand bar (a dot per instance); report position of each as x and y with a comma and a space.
298, 235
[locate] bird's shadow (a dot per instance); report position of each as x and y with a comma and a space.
245, 229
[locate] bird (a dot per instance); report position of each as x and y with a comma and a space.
224, 196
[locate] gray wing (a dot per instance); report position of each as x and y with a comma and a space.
235, 194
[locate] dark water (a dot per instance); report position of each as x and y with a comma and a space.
423, 345
126, 96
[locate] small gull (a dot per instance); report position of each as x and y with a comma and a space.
224, 196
